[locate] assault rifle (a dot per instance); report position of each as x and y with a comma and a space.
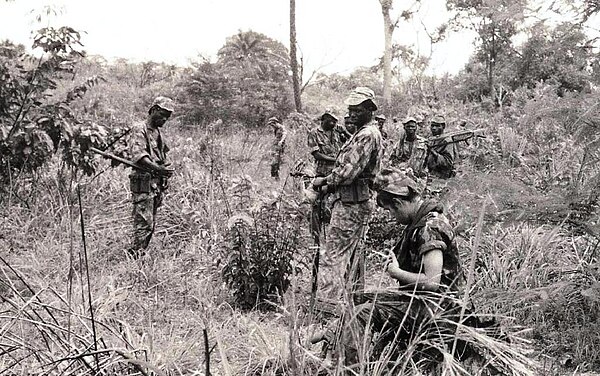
124, 161
456, 136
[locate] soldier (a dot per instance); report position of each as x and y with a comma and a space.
426, 260
324, 142
440, 157
149, 151
354, 170
410, 150
381, 119
278, 146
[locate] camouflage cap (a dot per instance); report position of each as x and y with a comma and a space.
273, 120
397, 182
438, 119
163, 102
328, 112
380, 116
359, 95
409, 119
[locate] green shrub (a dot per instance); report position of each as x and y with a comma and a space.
260, 258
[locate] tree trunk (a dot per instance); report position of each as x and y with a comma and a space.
293, 58
388, 30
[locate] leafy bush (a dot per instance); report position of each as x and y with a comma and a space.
260, 256
34, 122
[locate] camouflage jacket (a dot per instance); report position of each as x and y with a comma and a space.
433, 231
359, 158
280, 134
410, 154
442, 164
147, 142
327, 143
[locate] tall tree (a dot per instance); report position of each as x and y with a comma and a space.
496, 22
388, 30
294, 59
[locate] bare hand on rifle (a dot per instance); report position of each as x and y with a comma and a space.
320, 184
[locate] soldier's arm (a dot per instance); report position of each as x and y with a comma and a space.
147, 163
353, 162
322, 157
429, 279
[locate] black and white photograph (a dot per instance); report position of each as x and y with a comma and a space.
300, 188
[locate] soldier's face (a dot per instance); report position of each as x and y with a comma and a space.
437, 129
410, 128
401, 210
359, 115
159, 116
328, 123
380, 123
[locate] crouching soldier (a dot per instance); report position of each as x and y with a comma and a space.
148, 183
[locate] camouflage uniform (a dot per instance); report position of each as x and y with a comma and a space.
355, 167
278, 146
442, 165
327, 143
409, 154
146, 189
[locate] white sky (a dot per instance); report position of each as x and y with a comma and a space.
341, 34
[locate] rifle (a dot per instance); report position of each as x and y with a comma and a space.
124, 161
456, 136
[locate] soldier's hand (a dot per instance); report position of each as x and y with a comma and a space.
391, 263
164, 171
318, 182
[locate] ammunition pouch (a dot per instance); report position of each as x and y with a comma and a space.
140, 183
143, 182
354, 193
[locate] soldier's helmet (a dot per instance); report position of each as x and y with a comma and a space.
361, 94
165, 103
438, 119
380, 117
398, 182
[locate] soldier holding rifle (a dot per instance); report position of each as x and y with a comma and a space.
355, 167
149, 180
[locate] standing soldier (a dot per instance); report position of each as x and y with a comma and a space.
354, 170
410, 150
440, 156
278, 146
149, 151
381, 119
324, 143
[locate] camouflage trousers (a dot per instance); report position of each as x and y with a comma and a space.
342, 264
145, 206
276, 160
320, 216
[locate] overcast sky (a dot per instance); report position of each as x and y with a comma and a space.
340, 34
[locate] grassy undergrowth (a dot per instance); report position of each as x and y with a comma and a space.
165, 312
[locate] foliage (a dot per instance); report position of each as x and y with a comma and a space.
261, 254
34, 123
249, 83
560, 56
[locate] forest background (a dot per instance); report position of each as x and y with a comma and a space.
230, 239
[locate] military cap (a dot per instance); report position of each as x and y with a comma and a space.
380, 116
397, 182
359, 95
273, 120
438, 119
328, 112
163, 102
409, 119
